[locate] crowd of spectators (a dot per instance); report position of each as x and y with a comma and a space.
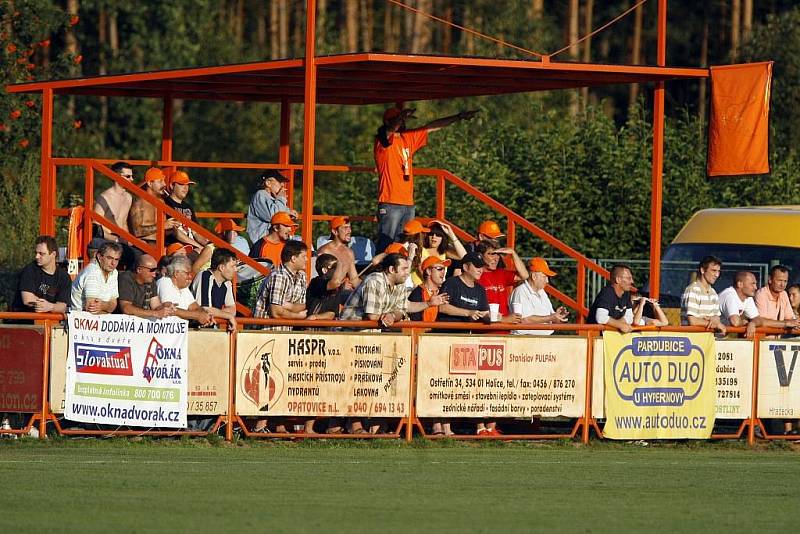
422, 271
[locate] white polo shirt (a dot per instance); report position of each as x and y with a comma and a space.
527, 302
168, 292
92, 283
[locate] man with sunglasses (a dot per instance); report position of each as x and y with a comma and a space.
137, 291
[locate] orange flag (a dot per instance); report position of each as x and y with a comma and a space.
738, 130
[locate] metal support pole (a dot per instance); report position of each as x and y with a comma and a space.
45, 414
47, 189
658, 158
88, 203
587, 407
284, 151
166, 130
751, 431
309, 125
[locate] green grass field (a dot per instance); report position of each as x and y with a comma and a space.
180, 486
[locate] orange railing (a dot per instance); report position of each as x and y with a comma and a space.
442, 177
582, 426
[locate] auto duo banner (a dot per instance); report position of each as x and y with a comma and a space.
124, 370
659, 385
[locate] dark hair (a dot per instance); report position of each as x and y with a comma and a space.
793, 286
708, 261
221, 256
778, 269
617, 270
391, 260
291, 249
118, 166
324, 261
48, 240
109, 245
436, 229
482, 247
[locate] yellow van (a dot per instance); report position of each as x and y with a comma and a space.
751, 239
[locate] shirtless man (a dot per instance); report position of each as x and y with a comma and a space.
142, 215
115, 202
339, 246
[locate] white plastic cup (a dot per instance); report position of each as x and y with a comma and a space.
516, 307
494, 312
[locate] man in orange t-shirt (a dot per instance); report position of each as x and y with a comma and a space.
282, 226
394, 150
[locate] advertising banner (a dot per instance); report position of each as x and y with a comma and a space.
778, 390
734, 379
21, 357
208, 372
323, 374
516, 376
123, 370
659, 385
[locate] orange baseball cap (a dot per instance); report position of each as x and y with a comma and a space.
430, 261
180, 177
539, 265
283, 218
415, 227
336, 222
391, 113
177, 247
490, 229
397, 248
153, 174
225, 225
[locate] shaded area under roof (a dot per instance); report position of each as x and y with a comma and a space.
364, 78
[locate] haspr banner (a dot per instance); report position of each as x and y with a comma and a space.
123, 370
323, 374
659, 385
512, 376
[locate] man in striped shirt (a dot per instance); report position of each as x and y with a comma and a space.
699, 303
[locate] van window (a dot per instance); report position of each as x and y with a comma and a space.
680, 262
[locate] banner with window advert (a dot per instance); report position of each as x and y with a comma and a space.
323, 374
207, 367
123, 370
21, 351
778, 389
515, 376
659, 385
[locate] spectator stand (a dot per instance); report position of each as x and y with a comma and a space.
342, 79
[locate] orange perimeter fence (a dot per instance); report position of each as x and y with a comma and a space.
403, 378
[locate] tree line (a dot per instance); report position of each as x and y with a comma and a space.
566, 160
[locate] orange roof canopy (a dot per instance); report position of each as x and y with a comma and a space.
363, 78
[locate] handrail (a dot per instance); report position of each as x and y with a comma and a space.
400, 325
442, 177
516, 218
164, 208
